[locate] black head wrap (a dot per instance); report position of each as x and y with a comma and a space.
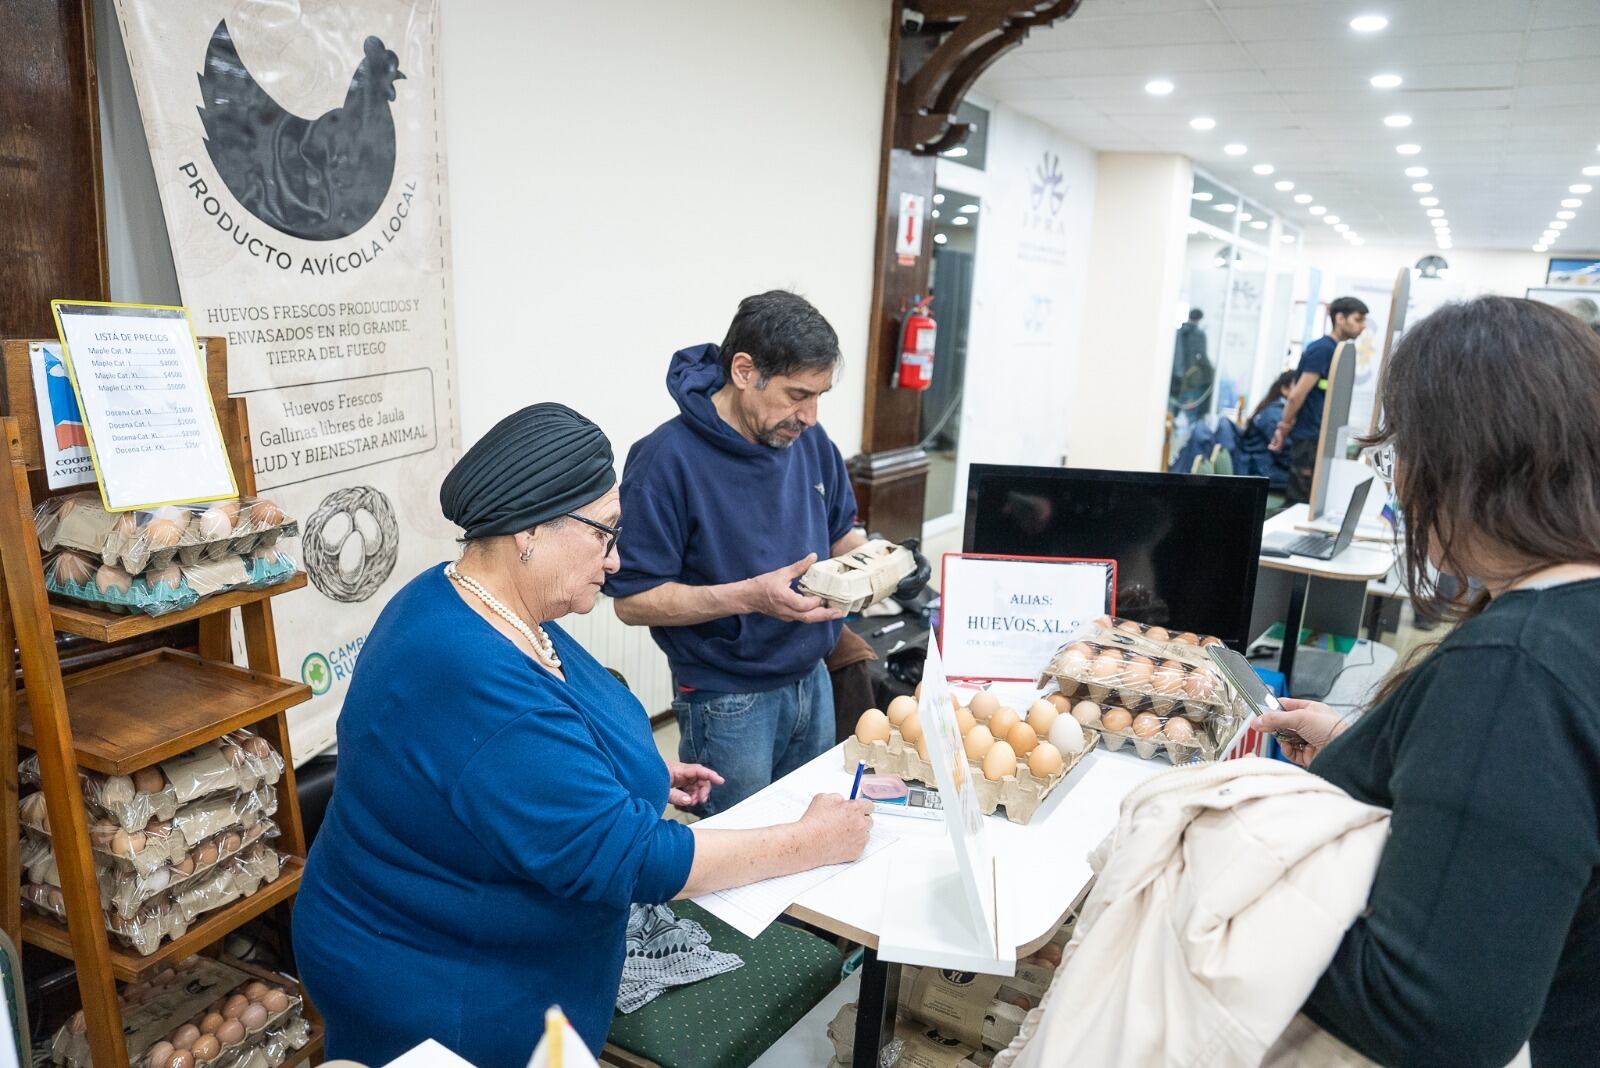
531, 467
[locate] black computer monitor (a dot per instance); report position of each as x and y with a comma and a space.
1186, 546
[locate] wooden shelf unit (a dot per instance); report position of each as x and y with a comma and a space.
126, 714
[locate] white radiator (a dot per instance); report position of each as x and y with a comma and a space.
626, 649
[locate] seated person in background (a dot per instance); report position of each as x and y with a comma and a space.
1255, 439
499, 798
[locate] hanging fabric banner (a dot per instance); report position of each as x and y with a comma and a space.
299, 152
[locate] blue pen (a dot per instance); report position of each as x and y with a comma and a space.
855, 787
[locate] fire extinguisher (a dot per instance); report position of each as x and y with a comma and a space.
914, 367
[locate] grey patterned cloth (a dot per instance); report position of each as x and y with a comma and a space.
663, 952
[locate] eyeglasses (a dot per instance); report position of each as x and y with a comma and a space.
1381, 459
611, 533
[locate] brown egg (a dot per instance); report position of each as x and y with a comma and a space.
206, 1048
1061, 701
1086, 713
185, 1036
1168, 679
978, 741
258, 747
1136, 674
235, 1005
916, 691
229, 509
232, 842
1022, 738
1075, 660
1022, 1001
999, 762
965, 720
1201, 685
72, 568
921, 746
214, 525
109, 579
1158, 634
169, 577
1146, 725
1002, 721
122, 843
1106, 670
1116, 720
1106, 623
231, 1033
33, 811
264, 514
149, 781
1050, 952
159, 1054
1041, 714
900, 708
1128, 626
255, 991
211, 1022
126, 525
162, 534
1188, 637
911, 729
1178, 729
181, 1059
983, 705
206, 855
1208, 641
873, 726
275, 1001
254, 1018
1045, 761
185, 866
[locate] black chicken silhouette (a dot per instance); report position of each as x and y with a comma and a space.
319, 179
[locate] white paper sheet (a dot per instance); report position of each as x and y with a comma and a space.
751, 909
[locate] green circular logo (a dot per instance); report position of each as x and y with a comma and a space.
317, 673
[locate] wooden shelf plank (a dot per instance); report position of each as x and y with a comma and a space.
134, 712
129, 966
75, 618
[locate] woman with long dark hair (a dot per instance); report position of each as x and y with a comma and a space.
1482, 931
1255, 437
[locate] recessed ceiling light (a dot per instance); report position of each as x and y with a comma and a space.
1357, 241
1263, 169
1572, 202
1330, 219
1408, 149
1202, 197
1258, 225
1541, 248
1435, 213
1386, 81
1202, 122
1592, 172
960, 220
1224, 208
955, 153
969, 209
1422, 187
1286, 239
1316, 209
938, 198
1235, 149
1245, 216
939, 239
1368, 23
1397, 122
1439, 222
1416, 172
1428, 202
935, 213
1158, 87
1341, 228
1558, 225
1566, 215
1303, 198
1283, 186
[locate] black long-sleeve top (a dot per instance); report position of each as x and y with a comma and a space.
1483, 928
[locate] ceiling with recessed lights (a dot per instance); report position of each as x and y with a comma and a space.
1496, 109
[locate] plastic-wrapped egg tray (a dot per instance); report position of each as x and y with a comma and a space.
155, 539
235, 763
177, 1009
1020, 793
1183, 645
1109, 672
1179, 738
157, 591
170, 914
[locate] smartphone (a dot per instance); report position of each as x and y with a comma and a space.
1237, 670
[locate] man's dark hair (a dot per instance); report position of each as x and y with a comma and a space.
1346, 306
1195, 315
783, 333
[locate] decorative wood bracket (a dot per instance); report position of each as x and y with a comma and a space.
960, 39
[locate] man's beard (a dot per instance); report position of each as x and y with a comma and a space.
773, 440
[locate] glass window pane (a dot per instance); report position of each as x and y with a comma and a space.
1210, 203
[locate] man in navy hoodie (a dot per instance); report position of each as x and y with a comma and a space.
723, 508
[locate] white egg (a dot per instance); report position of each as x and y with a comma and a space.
1066, 734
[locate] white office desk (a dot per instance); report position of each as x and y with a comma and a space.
1360, 562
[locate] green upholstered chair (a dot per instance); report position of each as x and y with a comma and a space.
1221, 461
729, 1020
11, 987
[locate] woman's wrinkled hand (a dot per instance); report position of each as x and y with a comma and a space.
836, 828
691, 783
1304, 728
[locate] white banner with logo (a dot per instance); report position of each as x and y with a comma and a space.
300, 157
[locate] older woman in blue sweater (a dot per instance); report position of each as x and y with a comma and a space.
499, 797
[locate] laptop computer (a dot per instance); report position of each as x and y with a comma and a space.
1322, 546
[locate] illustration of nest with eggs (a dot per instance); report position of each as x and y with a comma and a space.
351, 543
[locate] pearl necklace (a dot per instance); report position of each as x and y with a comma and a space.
543, 647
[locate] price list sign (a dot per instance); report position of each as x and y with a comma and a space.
147, 411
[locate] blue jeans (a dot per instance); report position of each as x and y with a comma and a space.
752, 739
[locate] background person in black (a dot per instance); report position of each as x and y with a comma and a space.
1302, 414
1482, 931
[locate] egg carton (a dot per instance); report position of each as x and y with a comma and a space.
158, 591
1186, 646
1112, 672
1202, 744
861, 577
124, 890
235, 764
171, 914
189, 998
1020, 793
154, 539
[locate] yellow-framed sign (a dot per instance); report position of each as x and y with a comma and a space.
153, 432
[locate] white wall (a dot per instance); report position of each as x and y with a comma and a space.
1028, 292
1475, 271
1119, 392
622, 174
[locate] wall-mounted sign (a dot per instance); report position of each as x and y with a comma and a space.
908, 234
